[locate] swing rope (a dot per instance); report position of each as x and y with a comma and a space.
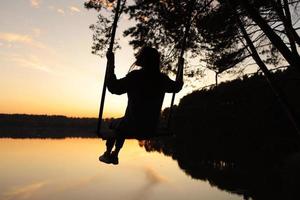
180, 62
110, 51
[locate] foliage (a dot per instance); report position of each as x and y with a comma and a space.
214, 36
158, 23
103, 26
243, 107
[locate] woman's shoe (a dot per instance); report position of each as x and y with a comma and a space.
106, 158
114, 158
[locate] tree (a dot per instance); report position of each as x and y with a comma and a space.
103, 27
160, 23
218, 36
155, 26
252, 11
229, 43
280, 96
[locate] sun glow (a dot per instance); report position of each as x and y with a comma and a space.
46, 61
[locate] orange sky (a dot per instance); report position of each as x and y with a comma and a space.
46, 64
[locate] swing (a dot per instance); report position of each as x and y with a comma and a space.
111, 133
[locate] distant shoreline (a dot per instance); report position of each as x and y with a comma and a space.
48, 126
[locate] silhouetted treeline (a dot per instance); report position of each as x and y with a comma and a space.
244, 110
44, 126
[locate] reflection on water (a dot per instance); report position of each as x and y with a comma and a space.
69, 169
269, 172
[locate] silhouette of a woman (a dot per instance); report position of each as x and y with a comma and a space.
145, 89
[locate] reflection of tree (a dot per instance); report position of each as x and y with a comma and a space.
249, 174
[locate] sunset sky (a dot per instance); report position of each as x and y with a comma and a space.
46, 62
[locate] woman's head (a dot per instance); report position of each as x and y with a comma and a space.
149, 59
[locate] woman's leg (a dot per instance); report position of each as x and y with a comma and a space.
110, 144
118, 145
106, 157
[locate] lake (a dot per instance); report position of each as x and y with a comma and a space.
61, 169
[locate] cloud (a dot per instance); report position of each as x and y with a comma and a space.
51, 7
23, 192
37, 32
20, 38
58, 10
13, 37
35, 3
31, 62
74, 9
61, 11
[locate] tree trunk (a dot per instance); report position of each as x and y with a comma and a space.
296, 36
288, 17
284, 14
272, 83
293, 60
289, 26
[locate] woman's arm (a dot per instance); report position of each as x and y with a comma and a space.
114, 85
175, 86
172, 86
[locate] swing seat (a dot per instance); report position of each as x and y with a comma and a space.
110, 133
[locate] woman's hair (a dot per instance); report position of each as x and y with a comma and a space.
149, 59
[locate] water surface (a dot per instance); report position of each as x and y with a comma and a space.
49, 169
